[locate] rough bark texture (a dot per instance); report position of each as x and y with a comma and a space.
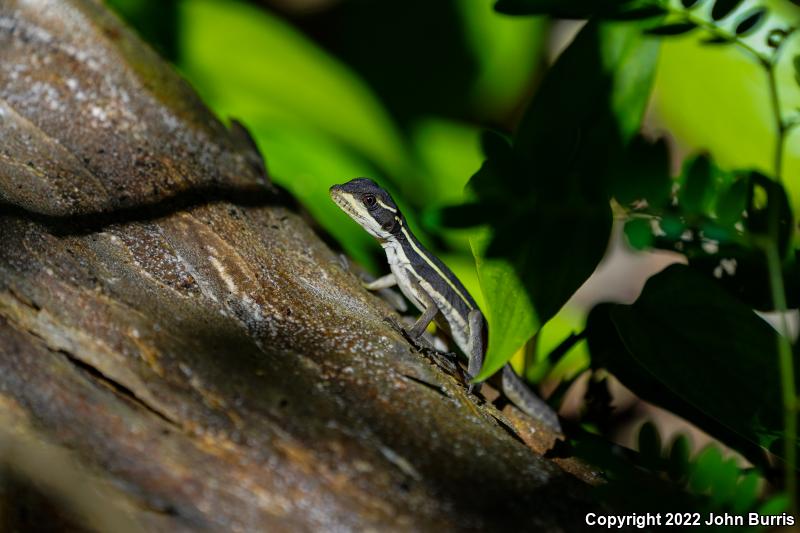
207, 360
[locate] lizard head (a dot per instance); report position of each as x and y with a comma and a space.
369, 205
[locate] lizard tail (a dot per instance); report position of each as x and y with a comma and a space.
524, 398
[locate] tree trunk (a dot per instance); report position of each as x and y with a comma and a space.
179, 350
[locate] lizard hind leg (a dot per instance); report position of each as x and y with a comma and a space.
477, 346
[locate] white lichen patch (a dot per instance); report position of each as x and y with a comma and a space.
223, 274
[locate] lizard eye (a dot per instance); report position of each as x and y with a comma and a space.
369, 200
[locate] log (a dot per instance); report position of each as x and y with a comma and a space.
179, 351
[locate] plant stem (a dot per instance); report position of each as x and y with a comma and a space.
780, 125
786, 363
774, 262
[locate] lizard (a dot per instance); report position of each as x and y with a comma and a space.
432, 287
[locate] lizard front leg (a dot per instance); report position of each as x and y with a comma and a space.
431, 309
383, 282
382, 286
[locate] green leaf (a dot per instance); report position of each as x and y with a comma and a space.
723, 8
642, 173
689, 346
733, 202
675, 28
256, 67
689, 4
774, 506
552, 183
746, 493
509, 311
723, 484
697, 189
706, 467
678, 465
750, 22
650, 444
638, 233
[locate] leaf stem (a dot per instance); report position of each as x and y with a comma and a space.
786, 363
774, 262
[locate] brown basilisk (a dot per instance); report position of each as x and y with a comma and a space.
431, 287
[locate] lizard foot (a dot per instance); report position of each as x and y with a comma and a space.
447, 361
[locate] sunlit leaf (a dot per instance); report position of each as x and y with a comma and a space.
253, 66
509, 311
509, 53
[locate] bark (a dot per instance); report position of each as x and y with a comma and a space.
180, 351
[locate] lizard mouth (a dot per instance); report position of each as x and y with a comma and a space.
345, 202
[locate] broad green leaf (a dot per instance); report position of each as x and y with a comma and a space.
509, 53
448, 153
689, 346
696, 191
255, 67
545, 197
508, 310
